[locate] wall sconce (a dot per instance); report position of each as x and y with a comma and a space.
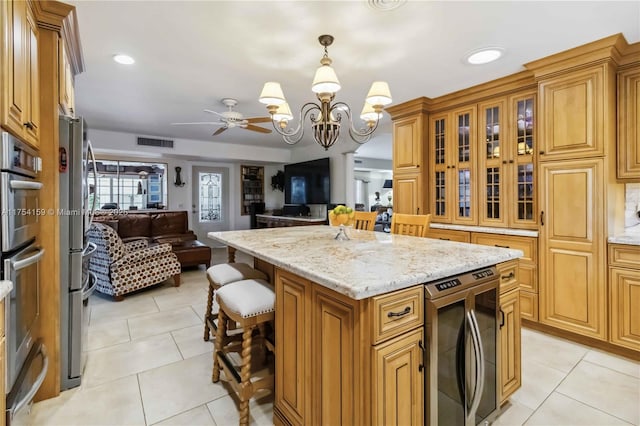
178, 181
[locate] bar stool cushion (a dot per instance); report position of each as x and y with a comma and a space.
226, 273
248, 298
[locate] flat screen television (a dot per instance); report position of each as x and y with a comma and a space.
308, 182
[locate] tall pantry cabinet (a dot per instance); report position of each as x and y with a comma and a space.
576, 181
410, 130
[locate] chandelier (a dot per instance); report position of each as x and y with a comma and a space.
326, 117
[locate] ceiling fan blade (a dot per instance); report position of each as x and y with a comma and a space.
197, 122
220, 130
213, 112
256, 128
258, 119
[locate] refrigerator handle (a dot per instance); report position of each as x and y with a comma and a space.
479, 359
95, 182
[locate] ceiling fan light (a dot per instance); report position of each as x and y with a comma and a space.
283, 113
379, 94
272, 94
368, 113
325, 80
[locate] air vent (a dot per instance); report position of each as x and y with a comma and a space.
357, 161
161, 143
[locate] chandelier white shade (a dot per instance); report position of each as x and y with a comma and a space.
325, 117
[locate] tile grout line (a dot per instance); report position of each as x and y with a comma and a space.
595, 408
144, 413
611, 369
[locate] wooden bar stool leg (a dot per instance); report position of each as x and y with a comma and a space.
222, 331
245, 376
231, 254
208, 314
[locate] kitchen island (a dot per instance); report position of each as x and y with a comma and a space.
350, 318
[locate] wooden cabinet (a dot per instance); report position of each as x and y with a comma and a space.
572, 247
449, 235
20, 96
527, 267
409, 157
346, 361
509, 342
409, 195
629, 124
396, 371
66, 93
575, 120
452, 179
293, 338
624, 296
252, 187
506, 162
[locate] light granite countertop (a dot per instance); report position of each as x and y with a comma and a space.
631, 239
369, 264
5, 288
486, 229
301, 218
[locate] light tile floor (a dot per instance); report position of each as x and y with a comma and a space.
148, 365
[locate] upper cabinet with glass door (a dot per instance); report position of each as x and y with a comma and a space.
506, 178
452, 177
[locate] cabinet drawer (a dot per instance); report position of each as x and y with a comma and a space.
397, 312
528, 305
526, 244
508, 275
624, 255
449, 235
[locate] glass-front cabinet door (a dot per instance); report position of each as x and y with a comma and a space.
452, 178
464, 147
506, 162
523, 140
492, 135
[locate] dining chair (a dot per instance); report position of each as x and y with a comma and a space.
365, 220
415, 225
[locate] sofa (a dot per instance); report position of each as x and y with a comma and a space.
159, 227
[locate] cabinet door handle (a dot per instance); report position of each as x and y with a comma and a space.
417, 166
504, 161
498, 245
541, 152
501, 318
421, 346
28, 125
542, 218
402, 313
508, 277
510, 161
418, 210
445, 239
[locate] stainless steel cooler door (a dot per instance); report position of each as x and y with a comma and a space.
75, 333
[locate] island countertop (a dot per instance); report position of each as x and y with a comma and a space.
369, 264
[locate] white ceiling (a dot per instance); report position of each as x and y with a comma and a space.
189, 55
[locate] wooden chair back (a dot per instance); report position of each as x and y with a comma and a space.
365, 220
415, 225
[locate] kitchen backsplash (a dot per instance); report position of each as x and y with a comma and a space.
631, 207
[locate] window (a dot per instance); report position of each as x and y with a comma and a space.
209, 196
130, 185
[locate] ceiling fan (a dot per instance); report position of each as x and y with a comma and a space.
231, 118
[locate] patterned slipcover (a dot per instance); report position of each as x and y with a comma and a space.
122, 268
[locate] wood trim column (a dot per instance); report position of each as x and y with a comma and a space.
49, 237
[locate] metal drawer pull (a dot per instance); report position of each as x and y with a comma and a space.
498, 245
508, 277
501, 318
399, 314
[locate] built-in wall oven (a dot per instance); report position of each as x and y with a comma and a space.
26, 361
461, 329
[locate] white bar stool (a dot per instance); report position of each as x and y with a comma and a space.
220, 275
250, 303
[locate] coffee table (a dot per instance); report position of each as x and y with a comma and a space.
192, 253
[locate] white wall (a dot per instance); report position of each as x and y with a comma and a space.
189, 153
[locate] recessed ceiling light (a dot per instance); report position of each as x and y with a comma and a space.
123, 59
484, 55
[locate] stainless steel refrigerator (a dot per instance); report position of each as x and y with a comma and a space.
75, 161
